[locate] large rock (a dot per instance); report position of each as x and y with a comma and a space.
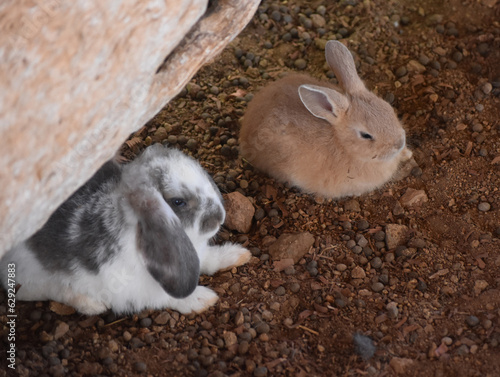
78, 77
239, 212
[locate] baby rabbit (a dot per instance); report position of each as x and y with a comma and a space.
325, 140
135, 236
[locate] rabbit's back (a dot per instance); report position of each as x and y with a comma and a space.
277, 127
83, 231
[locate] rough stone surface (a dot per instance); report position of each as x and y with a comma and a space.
293, 246
395, 235
413, 198
400, 365
239, 212
78, 77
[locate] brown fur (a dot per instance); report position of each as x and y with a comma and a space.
281, 137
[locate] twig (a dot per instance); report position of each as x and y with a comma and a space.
308, 329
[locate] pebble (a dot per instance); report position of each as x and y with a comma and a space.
377, 287
300, 64
341, 267
424, 59
352, 206
392, 310
358, 273
262, 328
484, 206
146, 322
280, 291
230, 338
36, 315
487, 88
127, 336
401, 71
140, 367
260, 372
472, 321
395, 235
295, 287
363, 224
376, 263
447, 340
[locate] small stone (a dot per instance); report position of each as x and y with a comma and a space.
293, 246
413, 198
417, 243
140, 367
146, 322
401, 71
415, 66
127, 336
358, 273
472, 321
484, 206
363, 224
162, 318
352, 206
300, 64
377, 287
480, 286
61, 330
260, 372
318, 20
136, 343
295, 287
376, 263
392, 310
230, 338
487, 88
280, 291
239, 212
395, 235
262, 328
447, 340
400, 365
341, 267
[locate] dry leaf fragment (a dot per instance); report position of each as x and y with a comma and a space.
61, 309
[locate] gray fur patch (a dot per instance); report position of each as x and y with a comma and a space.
212, 217
84, 230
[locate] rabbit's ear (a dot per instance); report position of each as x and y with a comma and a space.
323, 102
340, 60
169, 255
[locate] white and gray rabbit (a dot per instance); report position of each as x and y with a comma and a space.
135, 236
325, 139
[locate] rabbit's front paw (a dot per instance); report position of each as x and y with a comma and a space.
224, 257
200, 300
87, 305
241, 254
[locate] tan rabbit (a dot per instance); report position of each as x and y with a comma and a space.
325, 140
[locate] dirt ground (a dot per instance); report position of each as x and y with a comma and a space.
354, 305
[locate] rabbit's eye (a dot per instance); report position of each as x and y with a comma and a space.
178, 202
365, 135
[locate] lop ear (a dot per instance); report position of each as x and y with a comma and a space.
169, 255
323, 102
340, 60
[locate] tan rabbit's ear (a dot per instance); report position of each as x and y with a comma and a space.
323, 102
340, 60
